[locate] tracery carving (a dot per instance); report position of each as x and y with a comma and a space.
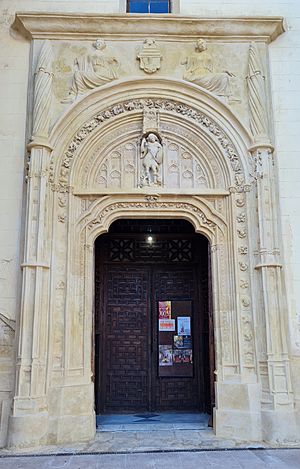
92, 71
168, 105
199, 70
43, 92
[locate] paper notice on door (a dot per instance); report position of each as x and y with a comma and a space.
165, 355
184, 325
164, 309
166, 325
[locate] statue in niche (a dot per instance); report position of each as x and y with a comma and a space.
92, 71
152, 156
199, 70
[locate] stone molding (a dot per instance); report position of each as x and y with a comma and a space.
38, 25
178, 107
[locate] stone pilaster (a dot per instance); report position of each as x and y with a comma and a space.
270, 268
29, 418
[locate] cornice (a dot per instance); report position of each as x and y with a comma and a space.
41, 25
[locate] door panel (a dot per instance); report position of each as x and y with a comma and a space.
125, 364
131, 279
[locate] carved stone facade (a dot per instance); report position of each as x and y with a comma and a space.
152, 128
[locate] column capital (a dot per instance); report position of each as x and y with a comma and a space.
261, 146
40, 142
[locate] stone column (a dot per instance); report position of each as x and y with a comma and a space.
29, 420
275, 426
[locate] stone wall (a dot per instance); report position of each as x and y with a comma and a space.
16, 99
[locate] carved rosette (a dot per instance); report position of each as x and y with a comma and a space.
248, 349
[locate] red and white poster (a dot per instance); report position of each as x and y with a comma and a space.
166, 325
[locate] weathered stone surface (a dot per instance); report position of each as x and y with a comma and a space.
217, 168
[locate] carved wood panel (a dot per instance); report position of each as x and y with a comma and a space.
125, 351
130, 280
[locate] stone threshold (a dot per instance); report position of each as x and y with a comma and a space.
159, 441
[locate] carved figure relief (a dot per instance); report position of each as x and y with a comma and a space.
92, 71
149, 56
199, 69
152, 158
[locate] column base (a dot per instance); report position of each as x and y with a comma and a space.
28, 430
237, 413
280, 427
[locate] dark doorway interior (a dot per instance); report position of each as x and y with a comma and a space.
148, 355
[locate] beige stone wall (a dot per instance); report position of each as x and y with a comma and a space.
14, 95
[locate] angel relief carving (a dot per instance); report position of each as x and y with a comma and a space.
92, 71
199, 69
152, 158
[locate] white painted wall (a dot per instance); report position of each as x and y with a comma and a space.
14, 65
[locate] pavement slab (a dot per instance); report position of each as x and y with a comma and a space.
216, 459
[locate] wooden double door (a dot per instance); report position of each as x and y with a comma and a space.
134, 277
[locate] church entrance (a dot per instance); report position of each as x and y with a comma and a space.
153, 325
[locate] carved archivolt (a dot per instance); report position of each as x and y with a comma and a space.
170, 106
152, 203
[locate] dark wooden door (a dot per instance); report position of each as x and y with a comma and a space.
130, 281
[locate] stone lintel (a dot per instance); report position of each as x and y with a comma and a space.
39, 25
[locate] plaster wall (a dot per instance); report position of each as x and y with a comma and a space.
15, 99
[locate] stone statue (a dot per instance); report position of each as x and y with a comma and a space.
152, 156
199, 70
93, 71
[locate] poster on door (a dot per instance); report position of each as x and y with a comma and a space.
175, 341
165, 355
166, 325
164, 310
184, 325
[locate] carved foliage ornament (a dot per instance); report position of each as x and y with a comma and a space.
153, 203
167, 105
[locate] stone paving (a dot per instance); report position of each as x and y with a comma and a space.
154, 442
254, 458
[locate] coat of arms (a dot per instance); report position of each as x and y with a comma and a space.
149, 56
